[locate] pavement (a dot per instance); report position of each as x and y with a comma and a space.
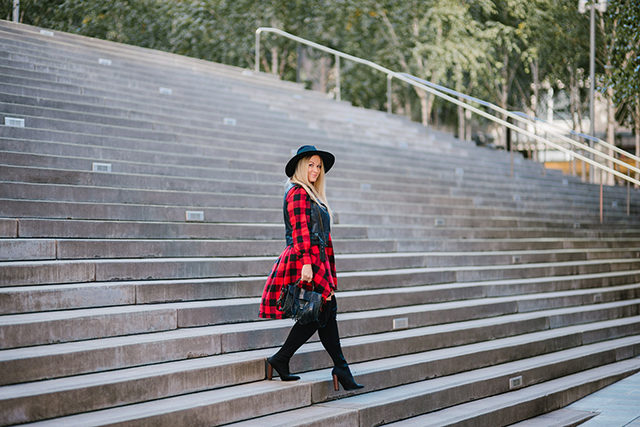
617, 405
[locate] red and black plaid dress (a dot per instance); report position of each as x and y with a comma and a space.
288, 267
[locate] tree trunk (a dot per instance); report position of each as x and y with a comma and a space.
283, 63
274, 60
407, 104
323, 75
423, 106
535, 67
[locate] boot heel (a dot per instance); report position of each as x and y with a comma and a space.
336, 387
269, 371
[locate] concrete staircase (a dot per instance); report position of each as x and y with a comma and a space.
468, 296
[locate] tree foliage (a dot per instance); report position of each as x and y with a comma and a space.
498, 50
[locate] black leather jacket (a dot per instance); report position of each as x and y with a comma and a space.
319, 227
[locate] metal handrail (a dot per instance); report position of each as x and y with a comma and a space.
533, 121
427, 86
594, 139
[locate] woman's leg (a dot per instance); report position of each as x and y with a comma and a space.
298, 335
329, 335
330, 339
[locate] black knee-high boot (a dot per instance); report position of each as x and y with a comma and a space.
298, 335
330, 339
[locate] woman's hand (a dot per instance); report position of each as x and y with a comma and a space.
330, 295
307, 273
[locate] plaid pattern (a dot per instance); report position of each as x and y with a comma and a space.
288, 267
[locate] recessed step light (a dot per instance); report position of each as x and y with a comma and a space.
439, 222
195, 215
46, 33
104, 61
401, 323
165, 91
515, 382
365, 187
14, 122
229, 121
101, 167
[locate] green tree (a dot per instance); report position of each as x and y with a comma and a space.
624, 70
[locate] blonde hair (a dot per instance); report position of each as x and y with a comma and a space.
315, 190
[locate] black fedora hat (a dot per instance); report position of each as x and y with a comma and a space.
328, 159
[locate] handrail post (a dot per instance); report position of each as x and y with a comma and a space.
257, 65
510, 143
628, 195
338, 77
389, 94
601, 195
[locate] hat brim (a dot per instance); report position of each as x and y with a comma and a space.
328, 160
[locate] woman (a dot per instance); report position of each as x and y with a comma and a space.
309, 258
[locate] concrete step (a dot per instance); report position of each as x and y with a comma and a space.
200, 175
531, 401
558, 417
436, 165
26, 299
228, 370
352, 254
31, 298
390, 193
196, 200
213, 405
16, 273
128, 57
188, 114
32, 249
435, 218
42, 228
22, 174
21, 330
525, 195
30, 173
190, 176
421, 233
75, 229
135, 55
389, 176
618, 199
74, 358
171, 148
467, 175
511, 244
203, 74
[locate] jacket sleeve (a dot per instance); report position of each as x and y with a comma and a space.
332, 261
299, 209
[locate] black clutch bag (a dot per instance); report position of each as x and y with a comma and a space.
299, 303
